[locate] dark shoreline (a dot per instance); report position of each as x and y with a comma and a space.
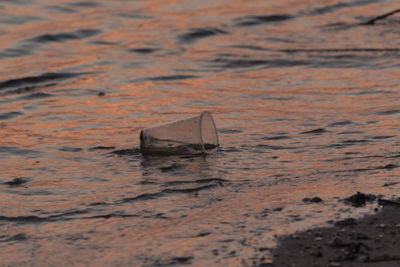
370, 241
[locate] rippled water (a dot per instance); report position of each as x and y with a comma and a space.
305, 96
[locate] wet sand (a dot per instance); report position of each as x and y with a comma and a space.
370, 241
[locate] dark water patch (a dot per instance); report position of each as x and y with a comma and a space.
387, 167
171, 78
389, 112
61, 9
10, 115
371, 92
229, 131
340, 123
228, 149
112, 215
275, 98
316, 131
143, 50
347, 143
248, 63
36, 96
336, 50
70, 149
248, 47
101, 148
203, 234
65, 36
17, 2
340, 5
150, 196
14, 52
390, 184
355, 141
279, 137
25, 219
127, 152
379, 137
84, 4
172, 167
264, 146
200, 33
69, 215
134, 16
17, 151
104, 43
28, 89
17, 237
312, 200
43, 78
380, 17
200, 181
102, 203
257, 20
17, 182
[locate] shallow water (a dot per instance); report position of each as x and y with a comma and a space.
305, 99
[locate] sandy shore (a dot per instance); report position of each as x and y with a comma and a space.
370, 241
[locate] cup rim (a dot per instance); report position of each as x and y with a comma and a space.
201, 126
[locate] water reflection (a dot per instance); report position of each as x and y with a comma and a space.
303, 93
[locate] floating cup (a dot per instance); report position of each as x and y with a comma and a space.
194, 135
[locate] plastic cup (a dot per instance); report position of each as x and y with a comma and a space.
194, 135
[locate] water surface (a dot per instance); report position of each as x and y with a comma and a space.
305, 96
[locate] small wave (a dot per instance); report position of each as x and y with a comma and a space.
101, 148
17, 182
200, 181
379, 137
143, 50
127, 152
17, 237
275, 147
17, 151
84, 4
36, 96
43, 78
229, 131
171, 78
389, 112
340, 123
256, 20
279, 137
347, 143
172, 167
340, 5
316, 131
66, 36
150, 196
70, 149
37, 219
248, 63
14, 52
10, 115
199, 33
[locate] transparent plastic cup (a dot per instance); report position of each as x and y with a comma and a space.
194, 135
